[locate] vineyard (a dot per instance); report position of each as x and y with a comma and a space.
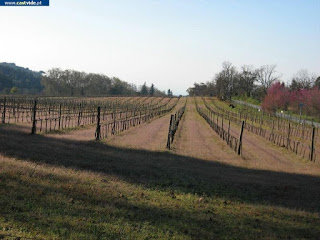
53, 114
298, 138
155, 167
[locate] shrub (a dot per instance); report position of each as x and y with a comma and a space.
277, 97
280, 97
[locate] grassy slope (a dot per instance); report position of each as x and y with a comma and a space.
247, 99
74, 190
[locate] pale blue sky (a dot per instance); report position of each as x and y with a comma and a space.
169, 43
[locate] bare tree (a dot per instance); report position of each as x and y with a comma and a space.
304, 79
225, 81
266, 75
247, 77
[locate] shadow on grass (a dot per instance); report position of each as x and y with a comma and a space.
95, 210
165, 170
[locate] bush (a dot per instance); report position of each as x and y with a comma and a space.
277, 98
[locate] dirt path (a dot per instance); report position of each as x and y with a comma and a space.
195, 138
151, 136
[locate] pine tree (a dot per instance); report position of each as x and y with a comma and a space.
152, 90
144, 90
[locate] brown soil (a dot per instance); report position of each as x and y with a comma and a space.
195, 138
150, 136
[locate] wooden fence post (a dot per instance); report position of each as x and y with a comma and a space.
114, 124
33, 130
4, 110
288, 137
14, 107
229, 131
169, 133
222, 122
59, 116
312, 145
240, 139
98, 130
79, 114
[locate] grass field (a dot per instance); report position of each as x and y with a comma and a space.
67, 186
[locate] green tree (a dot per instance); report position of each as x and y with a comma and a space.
317, 82
198, 90
295, 85
14, 90
5, 82
144, 90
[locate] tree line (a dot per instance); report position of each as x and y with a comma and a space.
249, 82
57, 82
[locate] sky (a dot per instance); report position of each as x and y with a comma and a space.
170, 43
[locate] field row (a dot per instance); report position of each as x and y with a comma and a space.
300, 139
52, 114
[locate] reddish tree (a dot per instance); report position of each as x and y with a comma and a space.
314, 101
296, 98
278, 97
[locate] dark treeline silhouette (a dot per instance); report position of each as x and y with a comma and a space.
14, 79
57, 82
249, 82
